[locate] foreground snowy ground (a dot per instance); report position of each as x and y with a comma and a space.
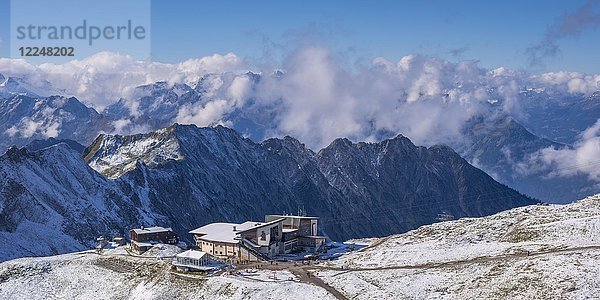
535, 252
91, 276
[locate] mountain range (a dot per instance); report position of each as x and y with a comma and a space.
67, 176
495, 142
55, 199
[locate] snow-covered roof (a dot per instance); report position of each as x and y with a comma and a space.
258, 224
289, 229
293, 217
249, 224
154, 229
194, 254
223, 232
142, 244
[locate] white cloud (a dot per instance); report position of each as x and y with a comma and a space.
582, 158
28, 127
572, 82
318, 99
120, 125
316, 106
424, 98
204, 115
239, 89
103, 78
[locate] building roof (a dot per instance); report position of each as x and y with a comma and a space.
292, 216
223, 232
286, 230
192, 254
259, 225
143, 244
154, 229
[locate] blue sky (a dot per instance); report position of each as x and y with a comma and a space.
495, 33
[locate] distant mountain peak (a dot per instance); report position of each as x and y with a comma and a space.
341, 142
11, 86
15, 153
114, 155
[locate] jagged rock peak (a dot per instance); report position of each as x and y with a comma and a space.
114, 155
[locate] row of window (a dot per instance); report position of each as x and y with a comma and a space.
211, 244
188, 261
220, 252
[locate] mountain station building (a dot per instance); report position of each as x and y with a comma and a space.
253, 241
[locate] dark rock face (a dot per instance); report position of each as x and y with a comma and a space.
396, 186
359, 190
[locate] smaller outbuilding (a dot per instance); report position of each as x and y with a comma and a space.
193, 260
142, 239
119, 241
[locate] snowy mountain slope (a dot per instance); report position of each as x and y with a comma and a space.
36, 145
154, 105
186, 177
532, 252
569, 275
51, 202
218, 175
403, 185
115, 155
534, 228
158, 105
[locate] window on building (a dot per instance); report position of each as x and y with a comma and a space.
263, 236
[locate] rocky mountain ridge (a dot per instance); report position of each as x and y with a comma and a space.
185, 177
